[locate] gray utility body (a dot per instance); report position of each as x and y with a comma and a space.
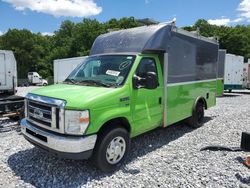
189, 56
8, 72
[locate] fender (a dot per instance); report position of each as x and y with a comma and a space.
101, 117
200, 98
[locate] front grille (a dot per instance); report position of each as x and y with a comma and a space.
40, 113
40, 121
44, 115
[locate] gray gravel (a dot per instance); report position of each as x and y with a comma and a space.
167, 157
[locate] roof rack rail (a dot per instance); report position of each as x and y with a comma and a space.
172, 22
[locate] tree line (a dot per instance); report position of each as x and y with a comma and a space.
35, 52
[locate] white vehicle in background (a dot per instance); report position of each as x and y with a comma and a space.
246, 75
35, 79
233, 75
8, 72
63, 67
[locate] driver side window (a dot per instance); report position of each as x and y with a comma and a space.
146, 65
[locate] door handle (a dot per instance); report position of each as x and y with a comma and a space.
160, 100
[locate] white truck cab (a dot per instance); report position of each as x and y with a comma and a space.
35, 79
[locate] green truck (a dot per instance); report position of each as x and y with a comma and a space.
134, 80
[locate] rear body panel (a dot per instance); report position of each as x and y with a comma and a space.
220, 86
221, 72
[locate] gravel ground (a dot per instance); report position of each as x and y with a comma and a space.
167, 157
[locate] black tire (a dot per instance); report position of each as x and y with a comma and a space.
103, 142
196, 120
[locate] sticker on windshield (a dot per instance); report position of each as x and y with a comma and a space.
113, 73
124, 64
129, 57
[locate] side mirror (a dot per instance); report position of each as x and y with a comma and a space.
149, 82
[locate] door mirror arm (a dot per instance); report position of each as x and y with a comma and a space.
150, 82
137, 82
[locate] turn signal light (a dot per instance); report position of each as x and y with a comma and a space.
248, 161
84, 120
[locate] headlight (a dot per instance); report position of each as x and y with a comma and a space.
76, 122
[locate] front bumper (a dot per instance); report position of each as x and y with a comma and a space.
65, 146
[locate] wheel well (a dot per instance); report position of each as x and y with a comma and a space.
203, 101
117, 122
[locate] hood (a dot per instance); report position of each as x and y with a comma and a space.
77, 96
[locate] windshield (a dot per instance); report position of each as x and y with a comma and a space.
105, 70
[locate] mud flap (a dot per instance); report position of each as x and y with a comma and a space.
245, 141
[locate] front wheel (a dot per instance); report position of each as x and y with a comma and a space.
196, 120
111, 149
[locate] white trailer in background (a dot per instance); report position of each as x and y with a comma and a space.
8, 72
246, 75
233, 76
63, 67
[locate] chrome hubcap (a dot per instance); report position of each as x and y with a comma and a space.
116, 150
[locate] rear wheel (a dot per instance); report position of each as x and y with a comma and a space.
111, 149
197, 118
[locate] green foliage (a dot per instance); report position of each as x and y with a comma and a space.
29, 49
35, 52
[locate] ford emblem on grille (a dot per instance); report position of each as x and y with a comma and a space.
38, 113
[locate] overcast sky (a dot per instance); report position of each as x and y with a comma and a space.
45, 16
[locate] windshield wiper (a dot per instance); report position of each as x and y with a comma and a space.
70, 80
96, 82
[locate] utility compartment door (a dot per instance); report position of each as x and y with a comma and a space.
2, 70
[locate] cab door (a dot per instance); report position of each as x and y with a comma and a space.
147, 105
